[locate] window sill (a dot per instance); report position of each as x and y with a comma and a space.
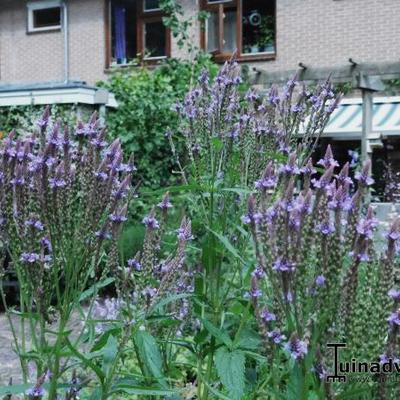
43, 30
220, 58
113, 68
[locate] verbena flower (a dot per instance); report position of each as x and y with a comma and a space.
296, 347
394, 318
394, 294
328, 160
267, 315
151, 222
320, 280
276, 336
135, 264
363, 176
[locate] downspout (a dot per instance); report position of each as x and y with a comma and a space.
66, 41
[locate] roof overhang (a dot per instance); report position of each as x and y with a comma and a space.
346, 121
55, 93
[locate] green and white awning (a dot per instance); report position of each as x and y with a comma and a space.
346, 120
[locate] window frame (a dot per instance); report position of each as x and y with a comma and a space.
142, 17
220, 56
43, 5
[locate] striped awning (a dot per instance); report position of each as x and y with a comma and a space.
346, 120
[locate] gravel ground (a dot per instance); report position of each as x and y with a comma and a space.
9, 363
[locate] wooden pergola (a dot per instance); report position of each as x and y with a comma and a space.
366, 77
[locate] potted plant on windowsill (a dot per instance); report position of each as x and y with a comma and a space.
266, 38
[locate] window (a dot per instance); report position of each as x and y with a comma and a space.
245, 26
137, 31
44, 16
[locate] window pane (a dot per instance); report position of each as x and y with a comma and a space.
230, 31
123, 23
47, 17
151, 5
258, 27
155, 42
212, 32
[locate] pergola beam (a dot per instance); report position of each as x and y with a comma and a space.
346, 73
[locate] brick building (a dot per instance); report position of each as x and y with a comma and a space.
318, 33
56, 50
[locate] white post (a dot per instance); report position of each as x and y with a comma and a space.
367, 116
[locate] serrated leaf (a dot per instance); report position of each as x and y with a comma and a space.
231, 371
219, 334
150, 354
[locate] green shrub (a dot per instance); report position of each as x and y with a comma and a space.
146, 99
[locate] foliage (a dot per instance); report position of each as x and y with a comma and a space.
23, 118
272, 259
146, 99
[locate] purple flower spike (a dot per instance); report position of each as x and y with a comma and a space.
363, 177
29, 258
151, 222
149, 292
123, 189
394, 294
290, 168
267, 316
326, 228
259, 272
328, 160
282, 265
394, 318
34, 224
308, 169
252, 217
35, 393
135, 264
268, 180
165, 203
276, 336
296, 347
325, 179
343, 176
44, 119
394, 231
320, 280
117, 218
185, 231
367, 225
251, 96
103, 234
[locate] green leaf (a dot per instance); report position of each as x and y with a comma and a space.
227, 244
170, 299
150, 354
110, 351
217, 143
87, 362
143, 391
14, 389
295, 385
89, 292
96, 394
248, 340
230, 368
219, 334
